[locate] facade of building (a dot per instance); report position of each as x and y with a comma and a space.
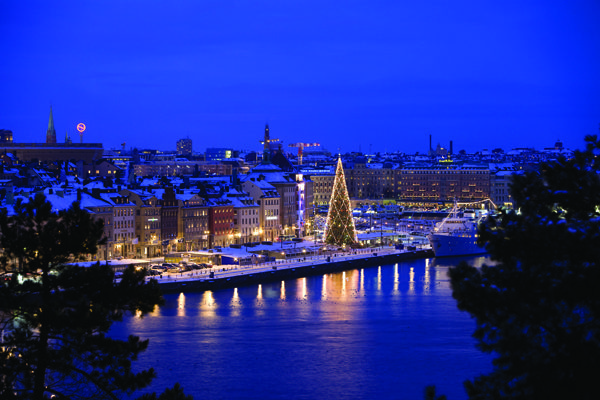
176, 168
184, 147
100, 210
101, 168
322, 185
444, 184
6, 136
194, 214
147, 223
220, 223
500, 188
218, 153
304, 204
285, 184
123, 238
267, 198
370, 181
246, 221
169, 216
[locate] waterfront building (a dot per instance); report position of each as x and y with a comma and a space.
169, 218
370, 180
123, 239
220, 222
246, 221
444, 184
194, 220
147, 222
268, 199
285, 184
500, 182
100, 210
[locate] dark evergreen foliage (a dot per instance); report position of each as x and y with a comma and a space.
430, 394
176, 393
538, 309
55, 317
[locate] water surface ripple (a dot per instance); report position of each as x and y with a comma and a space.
375, 333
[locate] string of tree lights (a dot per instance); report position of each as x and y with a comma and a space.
340, 229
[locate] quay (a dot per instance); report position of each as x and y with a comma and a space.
231, 276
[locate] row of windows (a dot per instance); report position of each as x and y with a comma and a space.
195, 213
120, 237
124, 224
123, 212
249, 212
457, 172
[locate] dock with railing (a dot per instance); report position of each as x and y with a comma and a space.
230, 276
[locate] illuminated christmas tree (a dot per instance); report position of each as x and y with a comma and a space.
340, 229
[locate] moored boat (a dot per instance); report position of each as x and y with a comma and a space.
456, 235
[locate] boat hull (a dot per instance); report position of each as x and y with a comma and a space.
449, 245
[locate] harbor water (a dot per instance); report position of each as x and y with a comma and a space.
382, 332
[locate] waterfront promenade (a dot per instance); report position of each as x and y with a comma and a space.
227, 276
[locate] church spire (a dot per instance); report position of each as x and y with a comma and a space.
51, 133
266, 148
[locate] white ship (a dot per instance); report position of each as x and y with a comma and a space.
457, 235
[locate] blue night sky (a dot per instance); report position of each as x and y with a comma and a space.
347, 74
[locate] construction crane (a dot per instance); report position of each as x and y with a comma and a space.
301, 147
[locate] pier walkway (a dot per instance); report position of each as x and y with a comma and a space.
227, 276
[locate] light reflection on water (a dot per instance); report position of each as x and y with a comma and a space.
386, 332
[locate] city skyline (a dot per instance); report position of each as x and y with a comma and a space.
351, 76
